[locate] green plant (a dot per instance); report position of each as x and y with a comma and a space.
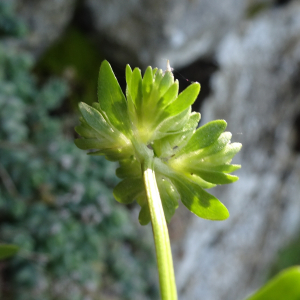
7, 250
286, 285
9, 24
56, 204
163, 157
79, 67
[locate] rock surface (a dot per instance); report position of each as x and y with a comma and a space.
147, 32
257, 91
45, 21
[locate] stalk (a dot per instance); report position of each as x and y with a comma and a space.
160, 234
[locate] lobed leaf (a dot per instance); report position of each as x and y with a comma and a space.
220, 168
128, 75
165, 83
204, 136
173, 140
112, 100
157, 79
135, 89
213, 176
198, 201
128, 190
184, 100
155, 117
224, 156
95, 120
144, 215
172, 124
169, 196
286, 285
86, 131
147, 83
216, 147
114, 154
198, 180
87, 144
169, 96
129, 167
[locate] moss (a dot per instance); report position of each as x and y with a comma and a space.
58, 207
75, 57
256, 8
9, 24
288, 256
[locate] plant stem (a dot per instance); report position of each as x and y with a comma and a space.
160, 234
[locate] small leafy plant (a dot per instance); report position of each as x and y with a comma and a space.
163, 156
155, 127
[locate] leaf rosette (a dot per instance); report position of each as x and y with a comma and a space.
153, 120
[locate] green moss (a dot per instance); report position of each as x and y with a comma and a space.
56, 202
77, 59
287, 256
256, 8
9, 24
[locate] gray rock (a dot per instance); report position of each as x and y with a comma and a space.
45, 21
257, 90
147, 32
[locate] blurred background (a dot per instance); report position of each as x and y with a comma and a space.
76, 241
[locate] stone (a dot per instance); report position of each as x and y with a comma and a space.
257, 91
148, 32
45, 22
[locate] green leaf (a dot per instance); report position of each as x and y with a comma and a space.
167, 145
128, 74
128, 190
284, 286
132, 113
95, 119
144, 215
158, 78
130, 105
136, 88
129, 167
172, 124
7, 250
97, 106
188, 130
166, 82
220, 168
184, 100
114, 154
169, 96
147, 83
88, 144
112, 100
224, 156
155, 120
169, 196
86, 131
216, 147
213, 177
200, 181
198, 201
204, 136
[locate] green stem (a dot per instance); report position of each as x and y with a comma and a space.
160, 234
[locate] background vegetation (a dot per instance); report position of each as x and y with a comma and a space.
56, 202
